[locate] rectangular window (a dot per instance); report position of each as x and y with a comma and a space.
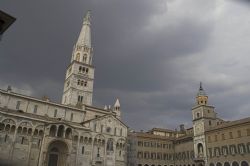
18, 105
248, 132
231, 135
223, 136
55, 113
35, 109
215, 138
239, 133
209, 139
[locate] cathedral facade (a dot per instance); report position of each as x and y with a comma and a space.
38, 132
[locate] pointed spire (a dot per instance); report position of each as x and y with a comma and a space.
84, 38
201, 86
117, 103
201, 91
87, 18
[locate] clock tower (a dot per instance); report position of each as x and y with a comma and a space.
204, 117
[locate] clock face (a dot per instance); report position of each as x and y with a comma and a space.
198, 128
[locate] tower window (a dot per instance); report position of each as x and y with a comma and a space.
85, 58
80, 68
71, 117
18, 105
210, 123
55, 113
78, 57
35, 109
80, 98
198, 115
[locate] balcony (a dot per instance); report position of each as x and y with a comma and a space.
99, 159
199, 158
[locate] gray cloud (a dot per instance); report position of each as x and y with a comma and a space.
150, 54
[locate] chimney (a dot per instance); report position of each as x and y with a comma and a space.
182, 128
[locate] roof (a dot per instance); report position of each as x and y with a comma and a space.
148, 135
99, 117
201, 91
45, 119
162, 130
230, 124
86, 107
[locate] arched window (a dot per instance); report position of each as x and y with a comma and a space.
235, 163
110, 145
211, 164
7, 127
29, 131
78, 57
1, 126
12, 130
35, 132
81, 139
200, 149
82, 83
60, 131
41, 133
80, 68
218, 164
226, 164
244, 163
19, 130
68, 133
24, 130
85, 58
52, 131
78, 82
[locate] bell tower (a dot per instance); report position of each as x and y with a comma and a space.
204, 117
79, 80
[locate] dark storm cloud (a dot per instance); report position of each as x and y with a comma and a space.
149, 54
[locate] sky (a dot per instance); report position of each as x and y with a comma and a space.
151, 55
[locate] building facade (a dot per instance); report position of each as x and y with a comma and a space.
38, 132
210, 142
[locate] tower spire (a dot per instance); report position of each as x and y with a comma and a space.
201, 86
201, 97
84, 38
